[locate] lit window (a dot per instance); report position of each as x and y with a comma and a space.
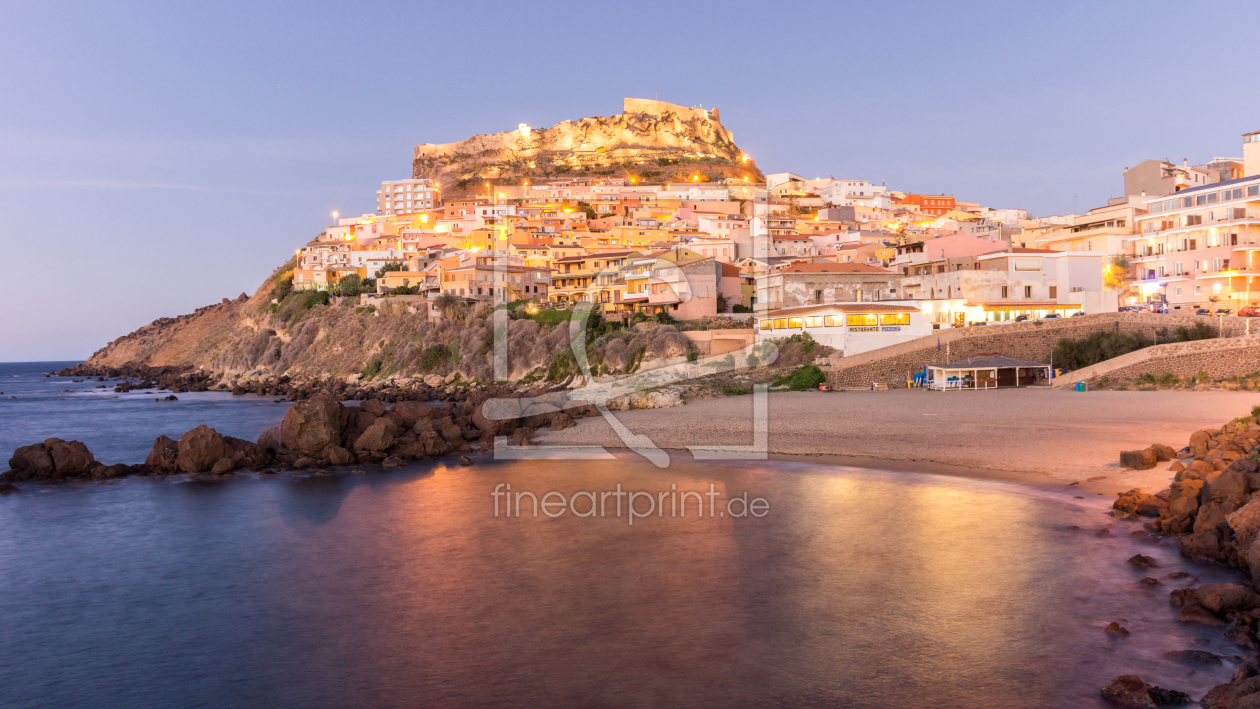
895, 319
862, 320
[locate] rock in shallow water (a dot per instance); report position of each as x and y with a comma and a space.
1131, 692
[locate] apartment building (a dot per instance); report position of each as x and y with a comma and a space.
1002, 285
1104, 229
496, 278
407, 196
1156, 178
802, 284
1199, 247
933, 204
594, 277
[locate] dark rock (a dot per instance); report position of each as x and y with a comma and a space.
1116, 629
1180, 596
336, 455
465, 460
8, 488
1194, 612
1131, 692
561, 421
304, 462
378, 437
1138, 460
54, 459
1143, 561
222, 466
200, 448
1148, 581
1194, 657
311, 426
1227, 597
393, 462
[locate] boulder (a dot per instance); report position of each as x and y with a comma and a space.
412, 411
1222, 598
434, 380
200, 449
1143, 561
1242, 693
270, 439
223, 465
1223, 485
248, 454
165, 454
33, 461
393, 462
374, 407
1200, 438
1135, 460
1162, 452
561, 421
1194, 657
1131, 692
1202, 545
311, 426
1116, 630
379, 436
337, 455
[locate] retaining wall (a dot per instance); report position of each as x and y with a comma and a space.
1220, 358
1030, 340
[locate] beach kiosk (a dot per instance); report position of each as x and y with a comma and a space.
985, 372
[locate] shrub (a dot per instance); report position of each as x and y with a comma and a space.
350, 285
281, 289
692, 356
634, 359
740, 308
803, 379
1255, 412
664, 318
434, 357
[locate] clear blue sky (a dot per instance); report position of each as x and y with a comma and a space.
157, 157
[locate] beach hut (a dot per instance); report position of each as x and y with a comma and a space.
985, 372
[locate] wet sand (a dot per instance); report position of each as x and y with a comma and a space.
1036, 435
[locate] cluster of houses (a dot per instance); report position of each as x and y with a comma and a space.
855, 264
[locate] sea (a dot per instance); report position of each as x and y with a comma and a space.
782, 584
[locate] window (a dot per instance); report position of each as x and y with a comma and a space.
895, 319
1216, 288
794, 322
1027, 291
1178, 290
780, 323
1253, 191
1027, 264
861, 320
1194, 219
1198, 290
1005, 293
767, 325
833, 321
818, 296
814, 321
1054, 292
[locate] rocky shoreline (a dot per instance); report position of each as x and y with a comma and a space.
1212, 509
319, 432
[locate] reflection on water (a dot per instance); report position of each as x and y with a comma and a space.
858, 589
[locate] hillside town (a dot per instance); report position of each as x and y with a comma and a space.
855, 264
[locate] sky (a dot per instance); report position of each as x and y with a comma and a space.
158, 157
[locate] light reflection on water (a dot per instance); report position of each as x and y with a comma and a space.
858, 589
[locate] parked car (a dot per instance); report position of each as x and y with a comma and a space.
1051, 315
1249, 312
1224, 311
1021, 318
1203, 311
1078, 313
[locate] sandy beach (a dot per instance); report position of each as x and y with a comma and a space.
1034, 435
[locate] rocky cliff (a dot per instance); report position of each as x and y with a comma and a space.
651, 140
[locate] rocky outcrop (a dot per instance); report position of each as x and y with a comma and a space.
311, 426
54, 459
647, 136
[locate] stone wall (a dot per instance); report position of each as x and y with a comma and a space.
1030, 340
1219, 358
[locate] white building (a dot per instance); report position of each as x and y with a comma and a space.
856, 193
851, 328
407, 196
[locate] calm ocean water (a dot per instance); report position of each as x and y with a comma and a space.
857, 588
